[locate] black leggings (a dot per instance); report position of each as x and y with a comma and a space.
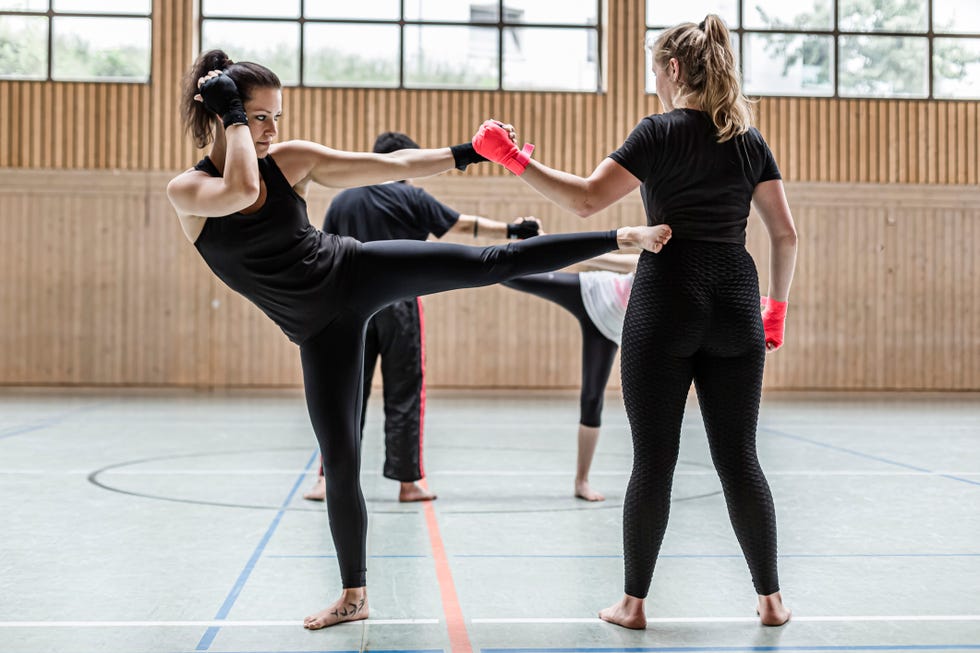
598, 351
333, 360
694, 315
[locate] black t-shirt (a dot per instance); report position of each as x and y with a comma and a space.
700, 187
388, 212
295, 273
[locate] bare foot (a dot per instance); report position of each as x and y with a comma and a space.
410, 492
628, 613
651, 239
318, 492
771, 610
352, 606
584, 491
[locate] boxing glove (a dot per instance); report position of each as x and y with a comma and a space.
773, 322
493, 142
522, 230
465, 154
220, 95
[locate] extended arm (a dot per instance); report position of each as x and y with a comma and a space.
583, 196
302, 160
477, 225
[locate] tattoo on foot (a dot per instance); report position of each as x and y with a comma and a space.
354, 608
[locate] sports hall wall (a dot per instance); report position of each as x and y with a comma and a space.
99, 287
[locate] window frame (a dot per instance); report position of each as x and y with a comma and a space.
501, 24
836, 33
50, 14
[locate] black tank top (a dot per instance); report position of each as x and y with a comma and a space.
292, 271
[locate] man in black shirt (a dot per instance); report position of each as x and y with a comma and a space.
402, 211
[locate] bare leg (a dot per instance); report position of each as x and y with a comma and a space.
771, 610
588, 437
351, 606
412, 491
318, 492
628, 613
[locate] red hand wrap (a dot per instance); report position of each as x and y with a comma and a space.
493, 142
773, 322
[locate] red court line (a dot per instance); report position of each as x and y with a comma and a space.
459, 639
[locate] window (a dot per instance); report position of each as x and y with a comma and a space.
481, 44
75, 40
844, 48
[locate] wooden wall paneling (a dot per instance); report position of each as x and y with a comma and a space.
16, 127
59, 129
970, 138
957, 116
799, 125
941, 136
6, 127
103, 288
896, 140
869, 119
932, 142
181, 292
883, 152
100, 128
15, 317
927, 172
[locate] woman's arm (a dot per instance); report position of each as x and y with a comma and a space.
478, 226
769, 199
583, 196
198, 193
300, 160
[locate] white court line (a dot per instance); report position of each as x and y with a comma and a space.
459, 472
200, 624
512, 621
712, 620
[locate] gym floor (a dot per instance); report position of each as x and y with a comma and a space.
172, 521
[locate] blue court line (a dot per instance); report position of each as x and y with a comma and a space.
373, 650
212, 632
698, 649
861, 454
334, 556
729, 555
11, 431
571, 556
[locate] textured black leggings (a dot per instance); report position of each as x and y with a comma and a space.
333, 360
694, 315
598, 351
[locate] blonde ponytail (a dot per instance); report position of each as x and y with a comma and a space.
709, 75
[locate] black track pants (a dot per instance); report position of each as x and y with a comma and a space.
694, 316
333, 360
395, 334
598, 351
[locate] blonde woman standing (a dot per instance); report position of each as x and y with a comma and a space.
693, 314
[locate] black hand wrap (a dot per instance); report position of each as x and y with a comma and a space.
220, 95
522, 230
465, 154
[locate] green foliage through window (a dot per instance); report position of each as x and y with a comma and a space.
881, 49
81, 47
